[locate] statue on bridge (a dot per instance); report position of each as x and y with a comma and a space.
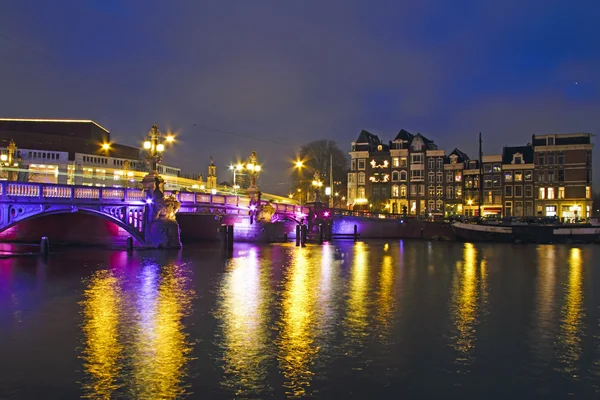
265, 212
164, 208
162, 229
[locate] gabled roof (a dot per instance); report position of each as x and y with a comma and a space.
461, 156
429, 144
509, 151
368, 137
404, 135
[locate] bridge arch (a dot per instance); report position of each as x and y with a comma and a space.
28, 213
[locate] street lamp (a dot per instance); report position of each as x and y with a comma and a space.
253, 171
316, 182
154, 144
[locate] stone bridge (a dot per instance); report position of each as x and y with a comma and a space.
125, 207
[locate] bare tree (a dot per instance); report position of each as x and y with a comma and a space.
316, 157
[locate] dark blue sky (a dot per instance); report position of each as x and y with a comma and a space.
289, 72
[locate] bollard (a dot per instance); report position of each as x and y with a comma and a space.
320, 233
304, 235
298, 235
129, 243
230, 237
45, 246
355, 233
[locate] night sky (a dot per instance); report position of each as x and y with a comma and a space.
235, 76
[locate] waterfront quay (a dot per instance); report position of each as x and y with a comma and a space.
384, 319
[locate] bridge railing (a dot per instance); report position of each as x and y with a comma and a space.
46, 192
190, 199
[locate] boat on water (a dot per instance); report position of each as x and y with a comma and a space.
520, 232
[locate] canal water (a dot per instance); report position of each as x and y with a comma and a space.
401, 319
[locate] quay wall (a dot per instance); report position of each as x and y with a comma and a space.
409, 228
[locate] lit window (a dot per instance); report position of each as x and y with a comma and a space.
458, 177
403, 162
588, 192
561, 192
542, 194
361, 178
395, 191
518, 176
508, 176
403, 191
395, 162
550, 193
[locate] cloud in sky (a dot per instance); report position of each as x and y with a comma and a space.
291, 72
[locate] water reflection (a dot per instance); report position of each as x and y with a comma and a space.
298, 325
134, 341
385, 298
356, 317
469, 295
103, 347
571, 328
545, 298
244, 312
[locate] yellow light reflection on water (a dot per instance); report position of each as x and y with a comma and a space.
102, 344
299, 314
356, 318
542, 343
469, 291
243, 311
572, 316
385, 299
162, 348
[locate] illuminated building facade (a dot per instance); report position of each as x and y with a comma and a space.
454, 166
72, 152
563, 175
517, 181
552, 176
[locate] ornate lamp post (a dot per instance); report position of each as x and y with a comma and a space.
253, 171
9, 160
154, 146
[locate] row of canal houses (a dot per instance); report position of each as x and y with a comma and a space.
551, 176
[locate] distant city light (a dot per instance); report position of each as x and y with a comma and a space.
105, 146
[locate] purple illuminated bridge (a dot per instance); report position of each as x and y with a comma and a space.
123, 206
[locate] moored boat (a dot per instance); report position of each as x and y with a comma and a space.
527, 233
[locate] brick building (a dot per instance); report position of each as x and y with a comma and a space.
549, 177
454, 166
563, 175
517, 171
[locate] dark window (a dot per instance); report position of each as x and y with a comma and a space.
541, 160
561, 175
560, 159
550, 159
